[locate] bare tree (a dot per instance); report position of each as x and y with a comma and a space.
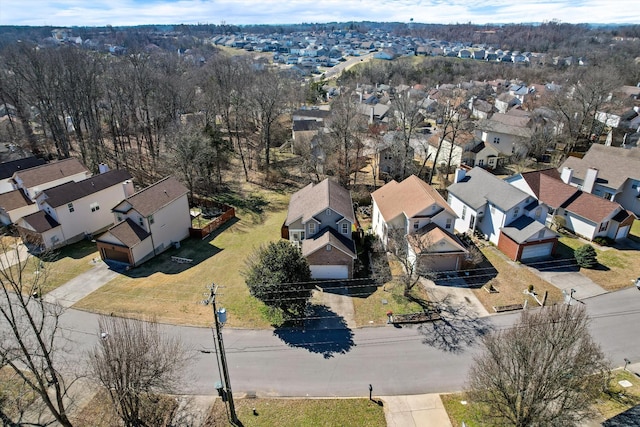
406, 120
411, 252
135, 363
545, 370
30, 336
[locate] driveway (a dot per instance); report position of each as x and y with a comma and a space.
82, 285
567, 277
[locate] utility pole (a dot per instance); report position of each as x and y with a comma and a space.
221, 354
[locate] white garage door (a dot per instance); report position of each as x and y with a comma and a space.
536, 251
329, 271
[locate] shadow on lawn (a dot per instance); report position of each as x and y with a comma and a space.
459, 326
324, 332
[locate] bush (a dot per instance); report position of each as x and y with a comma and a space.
603, 241
586, 256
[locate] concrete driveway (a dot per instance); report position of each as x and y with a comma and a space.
566, 276
82, 285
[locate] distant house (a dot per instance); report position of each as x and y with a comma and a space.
79, 209
39, 178
501, 213
147, 223
14, 205
612, 173
413, 208
507, 139
586, 215
452, 149
320, 221
7, 169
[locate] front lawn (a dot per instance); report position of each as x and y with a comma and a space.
616, 268
172, 292
511, 281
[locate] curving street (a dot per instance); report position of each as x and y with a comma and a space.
342, 362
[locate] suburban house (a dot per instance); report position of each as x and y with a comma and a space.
586, 215
147, 223
482, 155
453, 146
500, 213
14, 205
72, 211
415, 209
389, 155
320, 221
506, 138
39, 178
612, 173
7, 169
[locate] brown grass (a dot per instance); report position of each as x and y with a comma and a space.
512, 279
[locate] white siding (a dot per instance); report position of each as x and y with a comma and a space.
171, 223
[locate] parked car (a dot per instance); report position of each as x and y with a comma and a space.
638, 283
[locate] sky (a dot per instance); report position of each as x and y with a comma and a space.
63, 13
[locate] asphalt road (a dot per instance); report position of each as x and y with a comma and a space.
342, 362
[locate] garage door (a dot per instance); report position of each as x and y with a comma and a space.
329, 271
115, 255
536, 251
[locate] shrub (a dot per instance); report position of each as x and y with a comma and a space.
586, 256
602, 241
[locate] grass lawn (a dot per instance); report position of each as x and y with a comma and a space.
635, 229
617, 268
172, 292
512, 279
301, 413
616, 400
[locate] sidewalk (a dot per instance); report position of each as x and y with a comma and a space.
81, 286
422, 410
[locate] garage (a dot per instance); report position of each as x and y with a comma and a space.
329, 271
115, 255
622, 232
537, 251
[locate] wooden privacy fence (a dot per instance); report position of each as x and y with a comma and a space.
228, 212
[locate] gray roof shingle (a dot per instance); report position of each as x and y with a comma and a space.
50, 172
151, 199
40, 221
128, 232
522, 229
65, 193
479, 187
615, 165
313, 199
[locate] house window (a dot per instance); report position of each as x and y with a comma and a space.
416, 225
540, 234
94, 207
516, 211
70, 206
328, 247
496, 140
448, 224
327, 212
119, 218
538, 212
345, 228
604, 226
54, 239
433, 207
312, 228
481, 162
141, 221
449, 199
151, 220
464, 212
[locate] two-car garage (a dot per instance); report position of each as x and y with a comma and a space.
329, 271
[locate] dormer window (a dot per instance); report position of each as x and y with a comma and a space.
345, 228
327, 212
328, 247
516, 211
70, 206
312, 228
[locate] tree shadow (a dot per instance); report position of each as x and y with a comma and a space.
355, 288
629, 418
458, 328
563, 265
323, 332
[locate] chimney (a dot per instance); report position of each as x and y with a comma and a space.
567, 175
102, 168
459, 175
589, 180
127, 186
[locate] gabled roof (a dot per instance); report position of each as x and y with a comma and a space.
490, 125
128, 232
431, 234
410, 197
591, 207
7, 169
156, 196
50, 172
479, 187
511, 120
328, 236
13, 200
548, 188
522, 229
40, 221
313, 199
71, 191
614, 164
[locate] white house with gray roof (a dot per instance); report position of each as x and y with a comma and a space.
500, 213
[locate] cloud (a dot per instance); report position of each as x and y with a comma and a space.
242, 12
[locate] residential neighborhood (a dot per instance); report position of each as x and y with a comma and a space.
348, 222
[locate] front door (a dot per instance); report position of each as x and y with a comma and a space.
472, 222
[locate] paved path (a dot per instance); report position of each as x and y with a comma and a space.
82, 285
18, 252
567, 277
458, 294
422, 410
340, 303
